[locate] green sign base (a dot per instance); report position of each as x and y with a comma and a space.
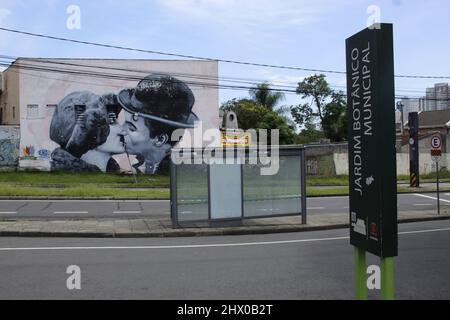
387, 276
387, 279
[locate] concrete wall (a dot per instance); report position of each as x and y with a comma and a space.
9, 147
333, 160
9, 99
46, 89
426, 165
320, 159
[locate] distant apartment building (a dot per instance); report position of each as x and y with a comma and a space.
437, 98
407, 106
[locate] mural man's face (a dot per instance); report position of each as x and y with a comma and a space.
137, 137
114, 144
138, 141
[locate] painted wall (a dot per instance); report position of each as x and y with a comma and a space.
50, 130
9, 146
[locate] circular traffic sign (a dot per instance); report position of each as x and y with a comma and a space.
436, 142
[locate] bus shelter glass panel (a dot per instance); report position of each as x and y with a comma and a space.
192, 193
279, 194
226, 191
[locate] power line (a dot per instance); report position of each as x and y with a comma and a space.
252, 82
123, 77
134, 78
146, 72
200, 58
166, 53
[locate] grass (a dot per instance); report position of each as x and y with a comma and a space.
444, 176
99, 185
85, 185
85, 192
327, 181
67, 180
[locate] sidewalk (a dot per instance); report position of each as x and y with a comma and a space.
147, 228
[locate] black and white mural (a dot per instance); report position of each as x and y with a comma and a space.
86, 126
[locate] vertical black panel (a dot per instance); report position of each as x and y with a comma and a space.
372, 152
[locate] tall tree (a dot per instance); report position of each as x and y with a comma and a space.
334, 123
324, 104
264, 96
317, 90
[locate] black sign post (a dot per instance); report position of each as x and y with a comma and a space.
372, 153
413, 123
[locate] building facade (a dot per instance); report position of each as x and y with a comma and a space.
9, 98
436, 98
102, 115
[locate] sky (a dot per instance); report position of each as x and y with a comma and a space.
300, 33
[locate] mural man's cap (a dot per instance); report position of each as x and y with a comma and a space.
161, 98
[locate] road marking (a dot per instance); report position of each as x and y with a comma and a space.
316, 208
176, 247
205, 245
93, 200
422, 204
8, 212
429, 197
71, 212
424, 231
127, 212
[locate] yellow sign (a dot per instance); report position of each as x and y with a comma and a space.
236, 139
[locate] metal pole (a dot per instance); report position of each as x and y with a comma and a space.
360, 274
303, 187
437, 188
387, 279
173, 194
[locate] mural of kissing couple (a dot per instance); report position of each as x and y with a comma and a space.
86, 126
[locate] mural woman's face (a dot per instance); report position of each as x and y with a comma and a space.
114, 143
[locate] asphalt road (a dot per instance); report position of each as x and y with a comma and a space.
66, 209
311, 265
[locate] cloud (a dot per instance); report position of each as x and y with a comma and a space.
4, 13
232, 13
285, 77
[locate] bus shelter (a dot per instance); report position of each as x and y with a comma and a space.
223, 187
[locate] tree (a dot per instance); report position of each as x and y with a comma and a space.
316, 89
324, 104
264, 96
309, 134
334, 121
253, 116
247, 112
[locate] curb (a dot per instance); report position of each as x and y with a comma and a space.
155, 199
234, 231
